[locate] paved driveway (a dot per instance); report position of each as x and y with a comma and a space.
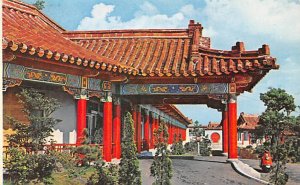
293, 170
204, 170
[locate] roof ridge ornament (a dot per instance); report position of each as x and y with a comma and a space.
265, 50
194, 26
195, 31
239, 47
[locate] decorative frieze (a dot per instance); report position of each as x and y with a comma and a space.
78, 93
94, 87
177, 89
9, 82
44, 76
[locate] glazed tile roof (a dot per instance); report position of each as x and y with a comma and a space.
151, 52
247, 121
213, 126
174, 52
28, 31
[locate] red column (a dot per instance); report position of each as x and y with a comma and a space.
152, 132
232, 127
249, 138
81, 120
181, 133
243, 137
139, 130
155, 123
146, 130
169, 132
117, 129
107, 131
225, 131
177, 131
134, 116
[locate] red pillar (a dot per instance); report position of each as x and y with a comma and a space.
225, 131
169, 132
81, 120
249, 138
146, 130
139, 130
176, 132
155, 123
152, 132
181, 133
117, 129
134, 116
243, 137
232, 127
107, 131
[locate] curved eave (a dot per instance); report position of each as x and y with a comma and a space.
56, 56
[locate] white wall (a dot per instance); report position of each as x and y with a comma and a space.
65, 131
218, 145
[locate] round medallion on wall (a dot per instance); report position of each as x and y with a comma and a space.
215, 137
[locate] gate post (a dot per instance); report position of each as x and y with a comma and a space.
81, 120
139, 129
232, 127
107, 130
117, 126
146, 130
225, 131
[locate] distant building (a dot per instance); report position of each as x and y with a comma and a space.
245, 133
246, 126
214, 133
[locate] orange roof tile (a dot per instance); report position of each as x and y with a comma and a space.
213, 126
148, 52
27, 30
174, 52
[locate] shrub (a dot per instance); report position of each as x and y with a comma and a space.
161, 168
129, 172
177, 147
191, 146
205, 149
87, 154
23, 168
107, 175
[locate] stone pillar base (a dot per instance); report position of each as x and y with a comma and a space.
225, 154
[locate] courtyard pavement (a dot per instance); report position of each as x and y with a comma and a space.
202, 170
293, 170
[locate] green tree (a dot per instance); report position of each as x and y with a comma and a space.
205, 146
38, 109
273, 123
197, 130
129, 172
21, 166
39, 4
161, 168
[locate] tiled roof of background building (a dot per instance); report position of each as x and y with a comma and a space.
248, 121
